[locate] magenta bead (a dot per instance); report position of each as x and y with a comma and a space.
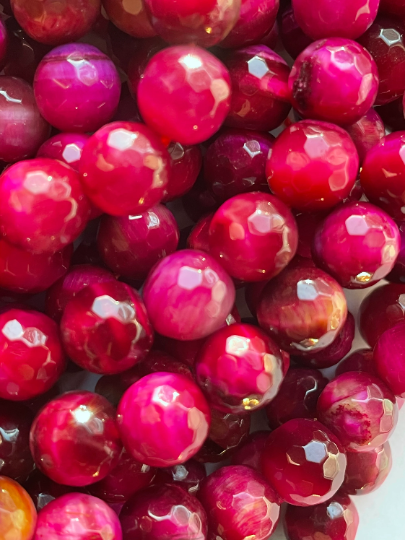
199, 236
188, 476
77, 88
172, 419
359, 409
360, 360
130, 150
358, 244
291, 34
367, 132
74, 439
185, 166
389, 359
129, 17
260, 96
250, 453
77, 516
66, 147
397, 274
188, 295
15, 457
254, 235
304, 462
131, 245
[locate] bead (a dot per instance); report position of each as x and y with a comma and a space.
74, 439
66, 147
359, 409
142, 54
43, 490
130, 150
77, 88
367, 471
291, 35
188, 476
130, 17
397, 274
303, 310
199, 236
199, 201
360, 360
3, 40
389, 359
307, 223
185, 166
250, 453
312, 166
367, 132
335, 80
271, 37
18, 514
254, 235
172, 419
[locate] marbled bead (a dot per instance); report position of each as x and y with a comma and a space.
66, 147
130, 18
18, 514
367, 132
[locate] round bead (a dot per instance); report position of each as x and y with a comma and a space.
130, 17
359, 409
397, 274
335, 80
66, 147
312, 166
185, 94
74, 439
172, 419
389, 359
254, 235
18, 514
367, 132
360, 360
131, 150
199, 236
15, 457
143, 52
188, 295
105, 328
291, 34
367, 471
77, 88
304, 462
250, 453
185, 166
188, 476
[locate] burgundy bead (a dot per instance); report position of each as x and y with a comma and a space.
131, 245
188, 476
199, 201
360, 360
291, 34
367, 471
397, 274
143, 52
271, 37
74, 439
392, 114
389, 359
127, 110
367, 132
303, 310
3, 40
358, 244
336, 519
250, 453
158, 361
304, 462
169, 512
359, 409
185, 166
260, 96
307, 223
130, 17
199, 236
66, 147
77, 88
394, 7
43, 490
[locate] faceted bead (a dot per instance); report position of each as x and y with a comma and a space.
304, 462
115, 155
18, 514
130, 17
360, 360
367, 471
77, 88
188, 476
185, 166
74, 439
312, 166
335, 80
66, 147
254, 235
389, 359
199, 236
359, 409
291, 35
250, 453
367, 132
397, 274
43, 490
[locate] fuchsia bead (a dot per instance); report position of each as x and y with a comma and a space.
188, 476
185, 166
359, 409
367, 132
117, 154
172, 419
335, 80
291, 34
304, 462
389, 359
367, 471
130, 17
199, 236
360, 360
260, 96
77, 88
357, 244
250, 453
254, 236
131, 245
66, 147
185, 94
15, 457
78, 516
74, 439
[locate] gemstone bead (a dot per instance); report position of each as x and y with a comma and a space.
367, 471
335, 80
389, 359
77, 88
199, 236
74, 439
359, 409
250, 453
18, 514
312, 166
397, 274
130, 17
360, 360
66, 147
291, 34
367, 132
188, 476
254, 235
185, 166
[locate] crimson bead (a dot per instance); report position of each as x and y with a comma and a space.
188, 476
367, 132
185, 166
250, 453
74, 439
18, 514
389, 359
158, 361
66, 147
291, 34
360, 360
367, 471
130, 17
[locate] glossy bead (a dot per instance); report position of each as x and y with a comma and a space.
188, 476
336, 519
367, 132
169, 511
291, 34
77, 88
131, 245
111, 159
303, 310
359, 409
235, 163
130, 17
335, 80
172, 419
66, 147
18, 514
367, 471
199, 236
54, 23
260, 97
389, 359
360, 360
250, 453
254, 235
78, 516
185, 166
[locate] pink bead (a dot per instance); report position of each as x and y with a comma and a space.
131, 245
254, 235
78, 516
389, 359
74, 439
199, 236
188, 476
324, 168
367, 132
367, 471
360, 360
357, 244
185, 166
77, 88
292, 36
304, 462
359, 409
66, 147
250, 453
131, 150
260, 96
15, 457
129, 17
335, 80
172, 419
185, 94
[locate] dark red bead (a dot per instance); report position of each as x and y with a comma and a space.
360, 360
185, 166
199, 201
389, 359
367, 132
199, 236
250, 452
397, 274
129, 17
307, 223
143, 52
291, 35
392, 114
367, 471
394, 7
188, 476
